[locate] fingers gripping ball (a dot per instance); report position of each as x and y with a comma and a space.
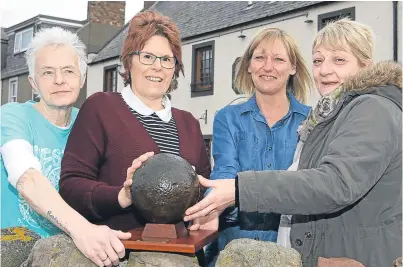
163, 188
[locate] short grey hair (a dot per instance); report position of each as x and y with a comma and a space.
58, 37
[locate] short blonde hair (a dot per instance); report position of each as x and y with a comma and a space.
347, 33
300, 82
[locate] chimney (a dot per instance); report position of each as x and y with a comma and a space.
148, 4
107, 12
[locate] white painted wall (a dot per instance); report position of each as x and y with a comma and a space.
228, 46
378, 15
399, 30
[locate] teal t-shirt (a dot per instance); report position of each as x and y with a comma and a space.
23, 121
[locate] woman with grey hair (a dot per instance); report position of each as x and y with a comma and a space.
33, 139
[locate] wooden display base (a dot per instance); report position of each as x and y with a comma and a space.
169, 238
152, 230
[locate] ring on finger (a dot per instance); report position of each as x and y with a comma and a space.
105, 258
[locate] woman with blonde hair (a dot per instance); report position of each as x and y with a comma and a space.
260, 134
346, 196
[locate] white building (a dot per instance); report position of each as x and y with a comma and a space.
220, 32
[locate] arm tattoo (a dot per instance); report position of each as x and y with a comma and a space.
56, 221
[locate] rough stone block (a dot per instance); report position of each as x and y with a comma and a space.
158, 259
251, 253
56, 251
16, 244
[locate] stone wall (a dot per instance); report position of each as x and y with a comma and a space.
21, 247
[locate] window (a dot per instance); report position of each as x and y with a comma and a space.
202, 69
323, 19
110, 78
207, 143
13, 89
22, 40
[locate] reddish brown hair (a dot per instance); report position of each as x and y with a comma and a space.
142, 27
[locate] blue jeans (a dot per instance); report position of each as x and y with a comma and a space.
230, 233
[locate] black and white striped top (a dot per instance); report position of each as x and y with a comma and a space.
165, 134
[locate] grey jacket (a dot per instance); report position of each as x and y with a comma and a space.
346, 197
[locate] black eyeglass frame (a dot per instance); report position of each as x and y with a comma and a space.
138, 53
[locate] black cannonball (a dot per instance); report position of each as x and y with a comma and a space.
163, 188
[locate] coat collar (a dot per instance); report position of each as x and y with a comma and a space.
383, 79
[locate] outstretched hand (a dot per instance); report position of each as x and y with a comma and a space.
125, 196
221, 196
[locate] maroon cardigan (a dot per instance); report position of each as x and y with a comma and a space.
105, 139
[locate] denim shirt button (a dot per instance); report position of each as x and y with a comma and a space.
257, 238
298, 242
270, 148
269, 165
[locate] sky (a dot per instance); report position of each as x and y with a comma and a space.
15, 11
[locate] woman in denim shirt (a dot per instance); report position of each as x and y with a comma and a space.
260, 134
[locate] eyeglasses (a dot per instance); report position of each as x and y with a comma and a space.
149, 59
49, 73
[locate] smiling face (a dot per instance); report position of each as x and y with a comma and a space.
270, 67
57, 76
332, 67
152, 81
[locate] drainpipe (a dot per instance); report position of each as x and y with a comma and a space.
395, 30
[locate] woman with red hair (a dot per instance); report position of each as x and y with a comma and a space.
113, 129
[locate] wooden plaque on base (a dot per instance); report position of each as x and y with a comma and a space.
152, 230
169, 238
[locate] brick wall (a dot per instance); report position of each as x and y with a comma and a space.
107, 12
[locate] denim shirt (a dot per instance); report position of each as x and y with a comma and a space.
243, 141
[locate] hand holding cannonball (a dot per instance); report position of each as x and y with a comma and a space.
125, 196
163, 188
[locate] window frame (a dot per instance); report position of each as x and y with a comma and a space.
17, 47
195, 90
337, 13
10, 96
209, 138
107, 69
